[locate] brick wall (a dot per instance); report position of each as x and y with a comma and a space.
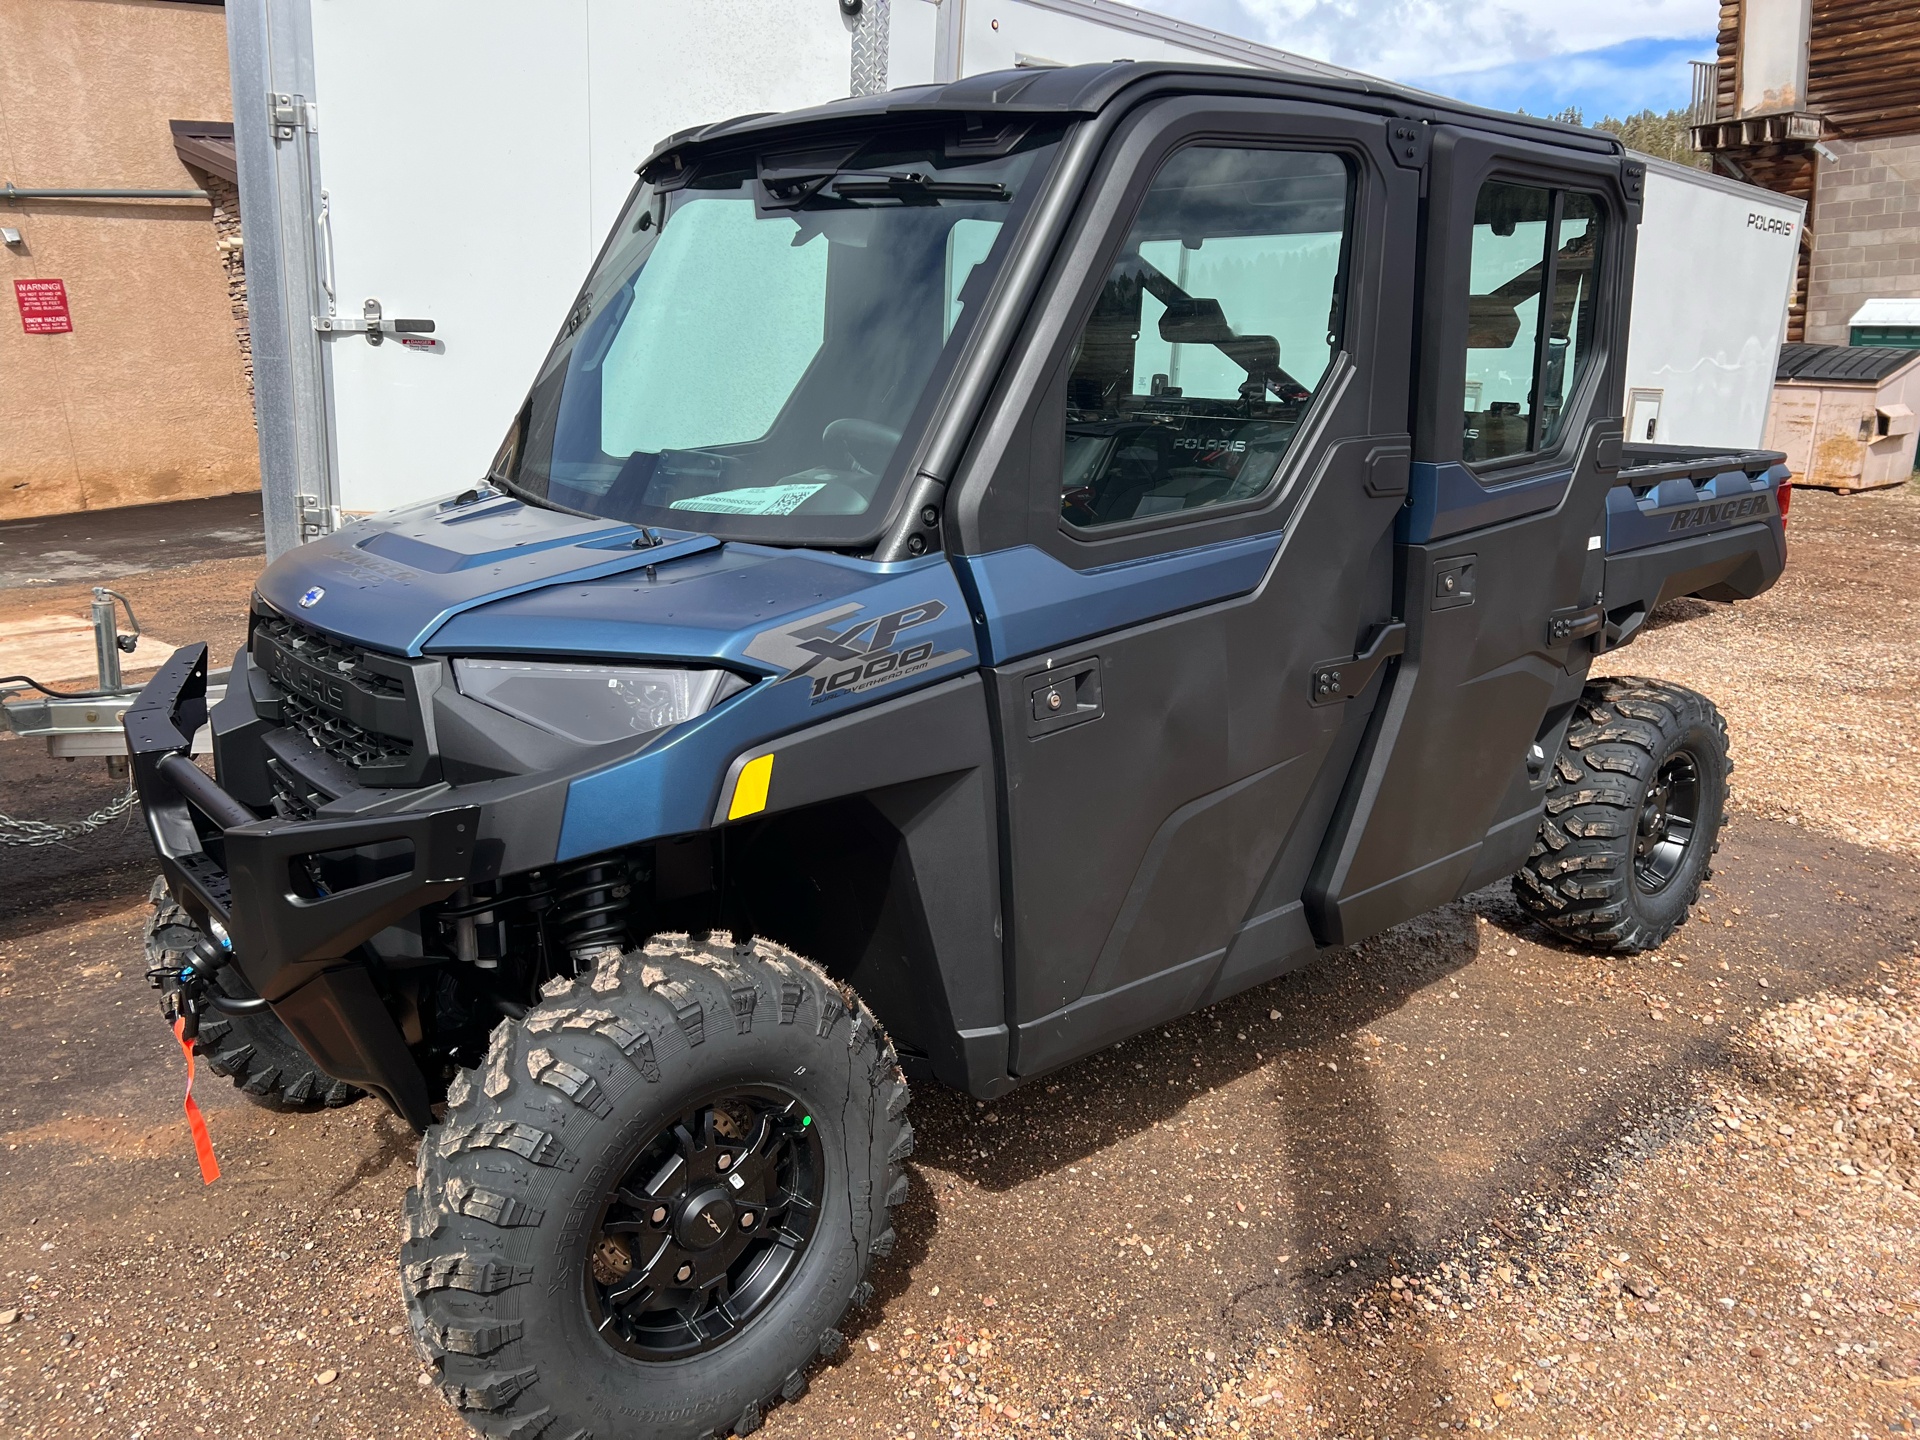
1866, 231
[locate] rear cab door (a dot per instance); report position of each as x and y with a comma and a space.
1527, 266
1177, 523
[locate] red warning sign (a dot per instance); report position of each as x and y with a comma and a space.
43, 306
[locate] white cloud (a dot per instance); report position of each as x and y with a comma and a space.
1435, 38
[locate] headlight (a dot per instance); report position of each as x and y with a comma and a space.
594, 704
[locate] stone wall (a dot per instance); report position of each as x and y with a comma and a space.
233, 259
1866, 231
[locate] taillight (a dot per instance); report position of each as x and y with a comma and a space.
1784, 497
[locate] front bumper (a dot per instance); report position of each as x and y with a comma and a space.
297, 950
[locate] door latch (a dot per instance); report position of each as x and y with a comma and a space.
1337, 680
372, 323
1575, 623
1065, 695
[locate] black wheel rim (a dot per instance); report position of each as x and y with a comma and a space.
1669, 822
707, 1224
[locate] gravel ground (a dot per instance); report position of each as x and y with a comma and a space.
1459, 1177
1820, 678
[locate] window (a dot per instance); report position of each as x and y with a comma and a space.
759, 337
681, 334
1536, 256
1210, 336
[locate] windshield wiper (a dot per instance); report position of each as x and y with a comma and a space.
912, 188
793, 189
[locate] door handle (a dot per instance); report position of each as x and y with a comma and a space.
1065, 695
1337, 680
1575, 623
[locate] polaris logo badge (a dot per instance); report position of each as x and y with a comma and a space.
312, 598
1761, 504
290, 674
839, 658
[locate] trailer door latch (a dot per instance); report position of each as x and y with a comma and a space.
372, 324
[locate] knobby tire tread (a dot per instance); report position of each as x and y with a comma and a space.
518, 1125
1579, 880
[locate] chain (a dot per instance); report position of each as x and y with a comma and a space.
40, 832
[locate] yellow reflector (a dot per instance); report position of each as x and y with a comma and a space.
750, 790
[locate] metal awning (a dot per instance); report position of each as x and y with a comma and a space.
207, 145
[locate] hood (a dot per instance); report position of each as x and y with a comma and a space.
733, 603
392, 582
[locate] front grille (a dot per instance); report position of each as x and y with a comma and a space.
340, 737
293, 797
330, 654
359, 707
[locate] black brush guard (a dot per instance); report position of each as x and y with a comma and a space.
225, 864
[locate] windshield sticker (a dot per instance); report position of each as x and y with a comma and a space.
759, 500
838, 658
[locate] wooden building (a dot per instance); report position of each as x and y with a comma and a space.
1820, 99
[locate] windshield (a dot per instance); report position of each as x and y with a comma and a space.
758, 340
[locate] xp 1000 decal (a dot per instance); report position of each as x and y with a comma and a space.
839, 655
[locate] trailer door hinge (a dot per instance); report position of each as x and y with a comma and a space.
288, 113
371, 323
316, 517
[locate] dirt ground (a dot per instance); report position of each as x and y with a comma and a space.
1457, 1178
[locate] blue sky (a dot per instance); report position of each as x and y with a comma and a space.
1539, 55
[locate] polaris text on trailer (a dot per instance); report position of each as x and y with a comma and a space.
983, 570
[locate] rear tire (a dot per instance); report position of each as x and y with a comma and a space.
1633, 816
255, 1051
629, 1154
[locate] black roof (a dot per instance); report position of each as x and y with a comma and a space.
1086, 89
1857, 364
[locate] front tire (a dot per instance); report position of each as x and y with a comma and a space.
646, 1212
1633, 816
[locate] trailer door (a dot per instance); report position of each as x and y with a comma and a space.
459, 161
1713, 273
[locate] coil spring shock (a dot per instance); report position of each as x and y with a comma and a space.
590, 907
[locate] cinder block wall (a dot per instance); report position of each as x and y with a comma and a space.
148, 398
1866, 231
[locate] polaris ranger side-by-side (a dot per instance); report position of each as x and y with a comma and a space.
984, 570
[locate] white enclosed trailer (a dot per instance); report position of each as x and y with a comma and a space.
459, 162
1713, 274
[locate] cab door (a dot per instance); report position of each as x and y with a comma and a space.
1528, 264
1176, 531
